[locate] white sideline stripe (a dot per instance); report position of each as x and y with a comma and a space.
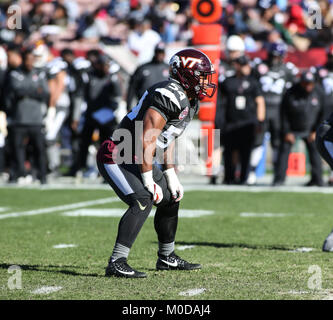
59, 208
3, 209
46, 290
185, 247
118, 212
263, 215
187, 188
303, 249
63, 245
192, 292
259, 189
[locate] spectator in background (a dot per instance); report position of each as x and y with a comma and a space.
26, 97
302, 111
143, 40
147, 75
102, 93
93, 26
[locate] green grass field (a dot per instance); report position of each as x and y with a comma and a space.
242, 257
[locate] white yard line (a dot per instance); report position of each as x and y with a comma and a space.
59, 208
185, 247
192, 292
262, 215
63, 245
303, 249
46, 290
118, 212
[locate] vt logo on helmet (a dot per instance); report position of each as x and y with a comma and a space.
193, 70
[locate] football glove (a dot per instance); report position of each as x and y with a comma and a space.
152, 186
174, 185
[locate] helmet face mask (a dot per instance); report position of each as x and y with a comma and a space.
193, 70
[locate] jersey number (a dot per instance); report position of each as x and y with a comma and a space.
182, 95
169, 135
269, 85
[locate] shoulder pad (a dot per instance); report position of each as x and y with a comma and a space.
114, 67
56, 65
292, 68
168, 92
81, 63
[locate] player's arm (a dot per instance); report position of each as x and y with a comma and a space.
261, 108
153, 124
169, 172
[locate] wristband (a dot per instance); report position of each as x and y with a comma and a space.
147, 177
170, 174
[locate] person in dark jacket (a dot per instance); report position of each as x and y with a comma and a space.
242, 112
302, 111
102, 94
26, 99
147, 74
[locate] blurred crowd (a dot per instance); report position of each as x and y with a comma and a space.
60, 90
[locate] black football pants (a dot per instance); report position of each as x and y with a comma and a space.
240, 140
283, 156
125, 180
36, 137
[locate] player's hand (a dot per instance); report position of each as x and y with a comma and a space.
152, 186
75, 125
174, 185
289, 137
312, 137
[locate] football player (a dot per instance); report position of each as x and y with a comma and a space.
150, 128
275, 78
325, 78
324, 143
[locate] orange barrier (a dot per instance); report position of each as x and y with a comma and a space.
296, 164
206, 37
207, 137
206, 34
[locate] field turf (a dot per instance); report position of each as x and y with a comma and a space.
243, 256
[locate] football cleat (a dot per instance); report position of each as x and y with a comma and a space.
328, 243
120, 268
173, 262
